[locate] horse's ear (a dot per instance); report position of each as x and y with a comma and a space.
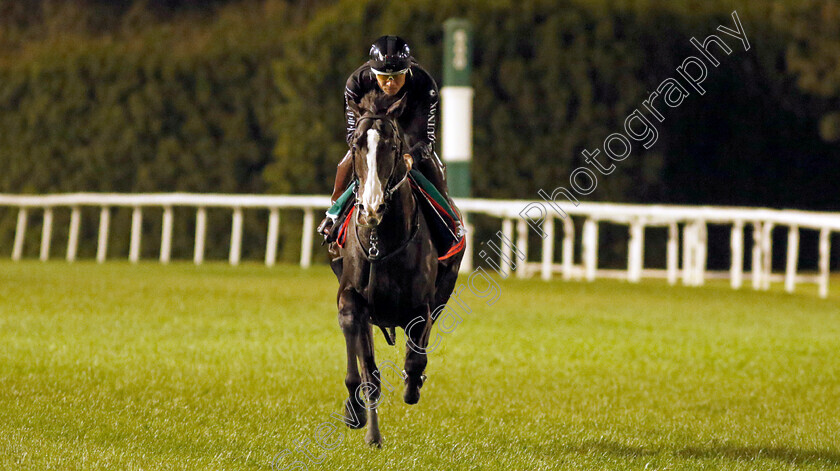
396, 109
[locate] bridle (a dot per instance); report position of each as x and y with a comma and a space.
394, 188
373, 254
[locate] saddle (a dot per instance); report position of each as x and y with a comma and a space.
445, 223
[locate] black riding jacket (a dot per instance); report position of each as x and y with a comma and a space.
419, 118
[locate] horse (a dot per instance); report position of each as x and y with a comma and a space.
388, 269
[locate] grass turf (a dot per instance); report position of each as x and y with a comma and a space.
153, 367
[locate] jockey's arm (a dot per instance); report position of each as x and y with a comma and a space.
423, 125
352, 92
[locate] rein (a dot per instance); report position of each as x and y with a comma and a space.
373, 255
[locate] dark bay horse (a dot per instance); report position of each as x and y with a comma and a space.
388, 269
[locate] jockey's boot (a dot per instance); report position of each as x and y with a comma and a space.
343, 175
435, 171
325, 227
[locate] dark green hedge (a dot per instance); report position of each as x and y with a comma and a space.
249, 99
555, 77
178, 108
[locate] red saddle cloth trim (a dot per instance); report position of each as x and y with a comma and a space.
453, 225
454, 250
457, 247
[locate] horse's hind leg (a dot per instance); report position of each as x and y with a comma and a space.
349, 320
417, 334
372, 386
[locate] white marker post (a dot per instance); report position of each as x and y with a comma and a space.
456, 109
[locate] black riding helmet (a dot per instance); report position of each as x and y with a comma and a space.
390, 55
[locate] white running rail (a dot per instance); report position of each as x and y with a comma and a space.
691, 221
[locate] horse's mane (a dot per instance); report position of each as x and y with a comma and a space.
376, 103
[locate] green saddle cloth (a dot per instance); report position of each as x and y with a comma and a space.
337, 208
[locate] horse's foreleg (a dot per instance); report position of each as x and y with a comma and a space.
417, 339
372, 384
350, 322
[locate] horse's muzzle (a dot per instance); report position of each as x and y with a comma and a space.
367, 218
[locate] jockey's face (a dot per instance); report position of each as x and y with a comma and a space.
391, 84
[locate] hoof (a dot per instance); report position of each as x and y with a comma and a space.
412, 389
411, 395
355, 416
373, 441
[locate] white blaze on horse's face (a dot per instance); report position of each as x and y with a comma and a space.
372, 194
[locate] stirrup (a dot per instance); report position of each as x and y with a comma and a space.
325, 226
325, 229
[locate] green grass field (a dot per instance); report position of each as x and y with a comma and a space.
176, 367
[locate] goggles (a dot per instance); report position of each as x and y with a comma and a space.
389, 75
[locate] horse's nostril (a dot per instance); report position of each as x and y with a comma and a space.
372, 216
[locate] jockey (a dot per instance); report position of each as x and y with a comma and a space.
391, 70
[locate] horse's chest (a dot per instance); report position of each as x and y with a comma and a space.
389, 293
394, 292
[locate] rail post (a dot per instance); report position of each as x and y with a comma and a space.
590, 249
104, 228
46, 234
701, 253
166, 235
136, 234
548, 249
635, 251
73, 234
825, 252
568, 247
757, 257
200, 234
507, 262
306, 238
235, 237
673, 253
689, 246
792, 258
736, 244
767, 252
20, 233
272, 236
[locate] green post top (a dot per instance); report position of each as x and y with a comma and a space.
457, 56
